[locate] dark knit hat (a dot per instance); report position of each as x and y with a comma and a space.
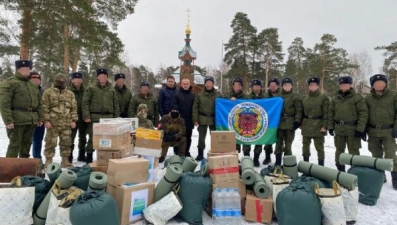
76, 75
378, 77
238, 80
345, 80
23, 63
102, 71
286, 80
275, 80
144, 83
256, 82
175, 107
119, 75
313, 80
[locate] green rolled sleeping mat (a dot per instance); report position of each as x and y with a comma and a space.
297, 205
346, 180
175, 159
53, 171
83, 176
247, 170
290, 166
64, 181
370, 183
42, 187
309, 182
97, 181
168, 182
189, 164
94, 207
366, 161
193, 204
261, 189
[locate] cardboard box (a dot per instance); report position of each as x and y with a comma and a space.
153, 164
127, 171
111, 142
240, 185
223, 141
151, 134
95, 168
134, 122
148, 147
223, 169
258, 209
111, 128
210, 153
132, 200
103, 156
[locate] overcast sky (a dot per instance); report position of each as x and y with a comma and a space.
155, 33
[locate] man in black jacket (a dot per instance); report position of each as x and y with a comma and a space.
184, 99
166, 95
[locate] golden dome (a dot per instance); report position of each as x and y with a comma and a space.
187, 30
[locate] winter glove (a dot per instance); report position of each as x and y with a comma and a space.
331, 132
296, 125
358, 134
394, 133
364, 136
124, 114
169, 137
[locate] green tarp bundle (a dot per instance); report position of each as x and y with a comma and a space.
194, 191
310, 182
297, 205
370, 183
290, 167
346, 180
247, 170
83, 176
94, 207
366, 161
267, 170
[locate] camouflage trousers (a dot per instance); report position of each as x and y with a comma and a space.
181, 144
284, 141
353, 145
318, 144
383, 147
81, 127
20, 141
51, 139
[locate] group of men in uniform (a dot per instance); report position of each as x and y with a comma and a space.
63, 111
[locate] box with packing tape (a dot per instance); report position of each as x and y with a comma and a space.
258, 209
223, 169
132, 200
128, 170
223, 141
134, 122
96, 168
111, 128
148, 142
111, 142
210, 153
153, 164
103, 156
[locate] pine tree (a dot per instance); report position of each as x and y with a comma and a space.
390, 62
294, 65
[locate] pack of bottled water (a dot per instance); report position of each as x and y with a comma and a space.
226, 206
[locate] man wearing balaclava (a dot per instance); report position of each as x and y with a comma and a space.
173, 126
60, 117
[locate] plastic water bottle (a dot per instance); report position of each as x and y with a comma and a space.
215, 206
237, 218
228, 206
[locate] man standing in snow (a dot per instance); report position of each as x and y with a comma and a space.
382, 122
123, 94
166, 95
145, 97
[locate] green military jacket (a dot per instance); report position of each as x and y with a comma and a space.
78, 94
20, 101
232, 94
150, 101
347, 108
204, 107
270, 95
100, 102
252, 95
145, 123
173, 126
292, 110
382, 110
124, 96
60, 107
315, 114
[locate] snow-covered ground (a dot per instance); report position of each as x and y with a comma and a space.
384, 212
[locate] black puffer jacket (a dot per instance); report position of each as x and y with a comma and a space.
166, 95
184, 100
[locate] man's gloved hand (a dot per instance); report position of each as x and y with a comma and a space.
394, 133
331, 132
169, 137
296, 125
358, 134
364, 136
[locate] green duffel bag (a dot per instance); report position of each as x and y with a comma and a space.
370, 183
298, 205
267, 170
83, 176
94, 207
194, 191
310, 182
42, 187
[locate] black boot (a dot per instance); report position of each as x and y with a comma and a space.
385, 180
256, 160
175, 150
70, 158
200, 155
278, 159
341, 167
267, 160
321, 162
81, 157
306, 159
187, 154
246, 153
394, 180
89, 157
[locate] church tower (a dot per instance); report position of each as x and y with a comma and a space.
187, 55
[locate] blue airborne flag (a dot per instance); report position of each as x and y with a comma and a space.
254, 121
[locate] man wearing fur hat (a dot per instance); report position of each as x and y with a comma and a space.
173, 127
145, 97
382, 122
19, 115
142, 117
347, 119
315, 120
60, 117
99, 101
123, 94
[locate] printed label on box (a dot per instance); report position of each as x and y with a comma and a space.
139, 201
105, 143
